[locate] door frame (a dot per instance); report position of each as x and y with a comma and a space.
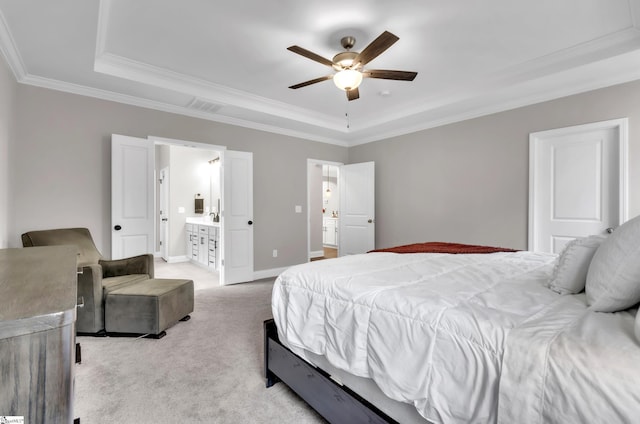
536, 138
154, 140
163, 205
310, 163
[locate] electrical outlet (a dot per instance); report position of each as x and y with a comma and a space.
275, 253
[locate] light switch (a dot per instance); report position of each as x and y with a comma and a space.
298, 209
181, 209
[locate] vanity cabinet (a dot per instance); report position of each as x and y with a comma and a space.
202, 244
330, 231
212, 247
192, 242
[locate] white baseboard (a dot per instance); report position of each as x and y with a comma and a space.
173, 259
316, 254
268, 273
257, 275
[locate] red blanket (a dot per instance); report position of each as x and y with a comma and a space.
441, 247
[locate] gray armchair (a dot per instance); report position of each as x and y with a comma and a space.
96, 276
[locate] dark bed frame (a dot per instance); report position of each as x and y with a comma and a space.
335, 402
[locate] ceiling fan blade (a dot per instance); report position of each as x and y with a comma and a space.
391, 75
313, 81
310, 55
375, 48
353, 94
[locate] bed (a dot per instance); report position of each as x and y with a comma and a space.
486, 337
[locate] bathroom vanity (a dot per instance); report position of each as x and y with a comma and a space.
203, 242
330, 231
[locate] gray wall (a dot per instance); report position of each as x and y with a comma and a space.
468, 182
465, 182
60, 166
7, 106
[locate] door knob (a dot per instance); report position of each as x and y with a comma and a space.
117, 228
609, 230
165, 219
370, 221
250, 222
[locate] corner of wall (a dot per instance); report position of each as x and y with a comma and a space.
8, 86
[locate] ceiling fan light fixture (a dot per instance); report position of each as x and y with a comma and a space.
344, 60
347, 79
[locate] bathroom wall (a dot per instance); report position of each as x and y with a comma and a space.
330, 200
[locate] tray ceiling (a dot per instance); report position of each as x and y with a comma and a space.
227, 61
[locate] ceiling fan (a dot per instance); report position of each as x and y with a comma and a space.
349, 65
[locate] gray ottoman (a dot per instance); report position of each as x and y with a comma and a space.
148, 307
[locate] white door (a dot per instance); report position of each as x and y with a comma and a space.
577, 183
163, 213
356, 220
132, 197
237, 217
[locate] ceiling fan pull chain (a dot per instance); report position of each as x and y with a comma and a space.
346, 114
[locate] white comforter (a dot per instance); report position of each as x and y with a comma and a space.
430, 329
572, 365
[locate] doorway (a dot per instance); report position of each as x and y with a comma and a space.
342, 219
323, 209
134, 203
186, 174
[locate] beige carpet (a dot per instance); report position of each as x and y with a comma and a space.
206, 370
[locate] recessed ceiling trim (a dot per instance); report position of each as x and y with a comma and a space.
132, 70
589, 65
572, 82
603, 48
104, 12
10, 51
164, 107
614, 44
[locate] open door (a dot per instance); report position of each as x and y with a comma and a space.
356, 230
237, 217
132, 196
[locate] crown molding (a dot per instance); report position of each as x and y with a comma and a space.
572, 82
132, 70
603, 48
164, 107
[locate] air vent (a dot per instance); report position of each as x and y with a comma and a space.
203, 106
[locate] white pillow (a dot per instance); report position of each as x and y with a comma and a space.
613, 280
570, 272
